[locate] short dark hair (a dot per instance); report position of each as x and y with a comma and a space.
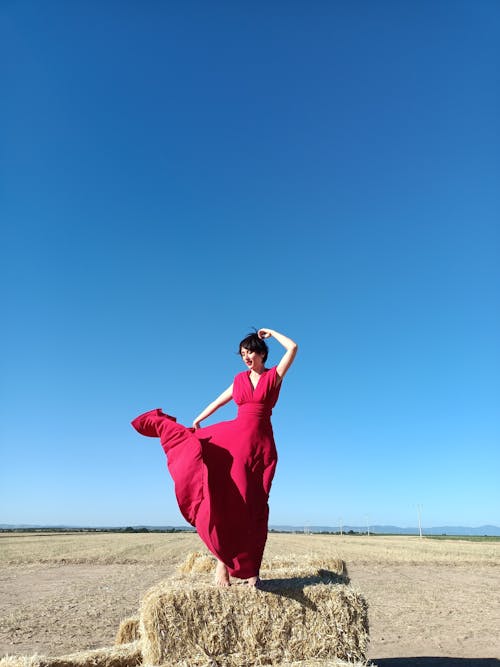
253, 343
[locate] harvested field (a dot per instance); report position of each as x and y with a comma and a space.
67, 593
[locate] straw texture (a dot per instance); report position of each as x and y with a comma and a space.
127, 655
128, 631
198, 562
293, 619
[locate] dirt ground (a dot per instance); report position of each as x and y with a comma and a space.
421, 614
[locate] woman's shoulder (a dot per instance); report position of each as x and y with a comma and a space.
272, 377
239, 376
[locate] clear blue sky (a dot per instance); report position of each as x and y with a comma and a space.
173, 174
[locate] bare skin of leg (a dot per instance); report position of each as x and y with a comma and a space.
254, 582
222, 575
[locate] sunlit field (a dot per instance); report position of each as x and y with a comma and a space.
65, 592
167, 548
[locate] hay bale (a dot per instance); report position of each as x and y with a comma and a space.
301, 576
311, 560
13, 661
197, 562
126, 655
128, 631
191, 622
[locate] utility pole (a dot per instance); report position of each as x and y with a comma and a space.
367, 526
341, 527
419, 510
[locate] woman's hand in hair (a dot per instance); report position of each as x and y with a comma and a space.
265, 333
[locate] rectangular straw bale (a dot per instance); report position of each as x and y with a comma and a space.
197, 562
126, 655
182, 620
311, 560
300, 576
128, 631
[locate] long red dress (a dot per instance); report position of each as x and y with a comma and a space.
223, 472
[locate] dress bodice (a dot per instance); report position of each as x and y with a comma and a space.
258, 401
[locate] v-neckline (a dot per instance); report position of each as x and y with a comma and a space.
250, 379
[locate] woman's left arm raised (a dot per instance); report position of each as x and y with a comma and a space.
290, 346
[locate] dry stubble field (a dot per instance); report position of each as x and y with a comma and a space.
66, 592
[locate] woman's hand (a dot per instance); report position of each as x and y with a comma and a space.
264, 333
221, 400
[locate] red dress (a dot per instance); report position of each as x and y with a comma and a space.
223, 472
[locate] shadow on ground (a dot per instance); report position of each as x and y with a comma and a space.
436, 662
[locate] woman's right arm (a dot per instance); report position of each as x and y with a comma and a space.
290, 346
221, 400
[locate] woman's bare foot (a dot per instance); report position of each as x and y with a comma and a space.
222, 575
254, 582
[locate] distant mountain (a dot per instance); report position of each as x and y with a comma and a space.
490, 531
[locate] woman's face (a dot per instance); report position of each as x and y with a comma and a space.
253, 360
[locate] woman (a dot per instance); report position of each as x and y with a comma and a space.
223, 472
